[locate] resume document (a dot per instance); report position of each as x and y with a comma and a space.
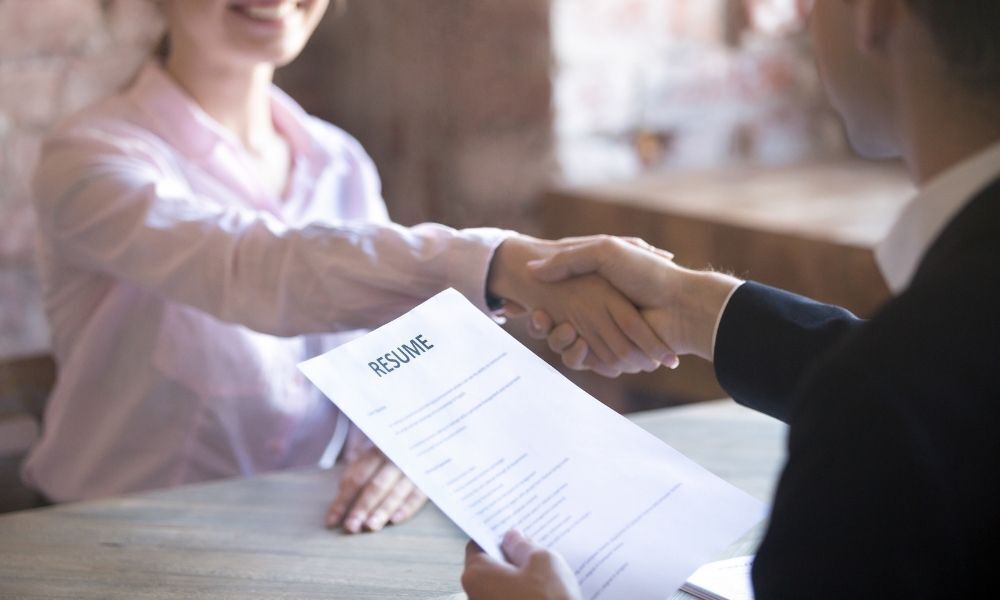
498, 439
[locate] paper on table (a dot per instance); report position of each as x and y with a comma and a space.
722, 580
499, 439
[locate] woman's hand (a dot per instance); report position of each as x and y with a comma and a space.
609, 322
534, 573
373, 492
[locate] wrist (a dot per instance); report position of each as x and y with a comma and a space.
508, 276
701, 299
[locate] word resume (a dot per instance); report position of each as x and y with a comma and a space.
498, 439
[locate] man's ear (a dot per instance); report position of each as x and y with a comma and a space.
874, 22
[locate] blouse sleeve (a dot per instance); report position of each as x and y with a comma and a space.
112, 208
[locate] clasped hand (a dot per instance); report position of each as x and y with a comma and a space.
618, 338
613, 305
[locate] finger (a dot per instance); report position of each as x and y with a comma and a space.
392, 503
576, 355
595, 340
592, 363
472, 552
410, 507
562, 337
373, 493
355, 476
641, 243
615, 350
578, 260
642, 335
484, 577
539, 325
512, 309
517, 548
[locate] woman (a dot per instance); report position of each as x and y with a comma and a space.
201, 235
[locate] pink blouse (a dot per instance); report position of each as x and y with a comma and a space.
181, 295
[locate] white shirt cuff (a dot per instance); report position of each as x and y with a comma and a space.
722, 311
470, 262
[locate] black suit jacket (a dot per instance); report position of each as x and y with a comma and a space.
892, 486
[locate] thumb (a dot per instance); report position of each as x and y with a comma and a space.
513, 309
565, 264
641, 243
517, 548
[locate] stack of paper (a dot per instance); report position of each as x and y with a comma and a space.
722, 580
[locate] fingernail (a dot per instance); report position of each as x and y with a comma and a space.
353, 524
673, 363
536, 322
376, 521
399, 516
332, 519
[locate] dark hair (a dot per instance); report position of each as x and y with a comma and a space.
968, 34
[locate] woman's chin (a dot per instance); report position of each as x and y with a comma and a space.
272, 32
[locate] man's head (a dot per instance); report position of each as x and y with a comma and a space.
965, 32
872, 52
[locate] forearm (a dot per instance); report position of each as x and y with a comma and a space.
767, 341
361, 275
700, 299
686, 307
117, 216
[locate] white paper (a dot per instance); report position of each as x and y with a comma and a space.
499, 439
722, 580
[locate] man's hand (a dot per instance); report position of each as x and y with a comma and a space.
373, 493
534, 573
681, 305
612, 326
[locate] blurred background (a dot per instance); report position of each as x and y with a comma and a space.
697, 124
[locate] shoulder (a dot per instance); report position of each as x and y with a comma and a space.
108, 141
953, 310
108, 131
942, 331
922, 372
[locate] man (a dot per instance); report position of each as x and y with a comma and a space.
892, 486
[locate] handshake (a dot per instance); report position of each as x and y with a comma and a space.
611, 305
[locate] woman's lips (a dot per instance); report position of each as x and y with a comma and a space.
267, 11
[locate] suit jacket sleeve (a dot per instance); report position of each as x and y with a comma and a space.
767, 341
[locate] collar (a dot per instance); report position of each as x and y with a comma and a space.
924, 218
179, 119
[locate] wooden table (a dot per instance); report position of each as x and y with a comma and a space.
806, 228
262, 537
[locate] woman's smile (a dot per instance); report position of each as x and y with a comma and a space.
270, 12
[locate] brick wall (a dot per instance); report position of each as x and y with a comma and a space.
55, 57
